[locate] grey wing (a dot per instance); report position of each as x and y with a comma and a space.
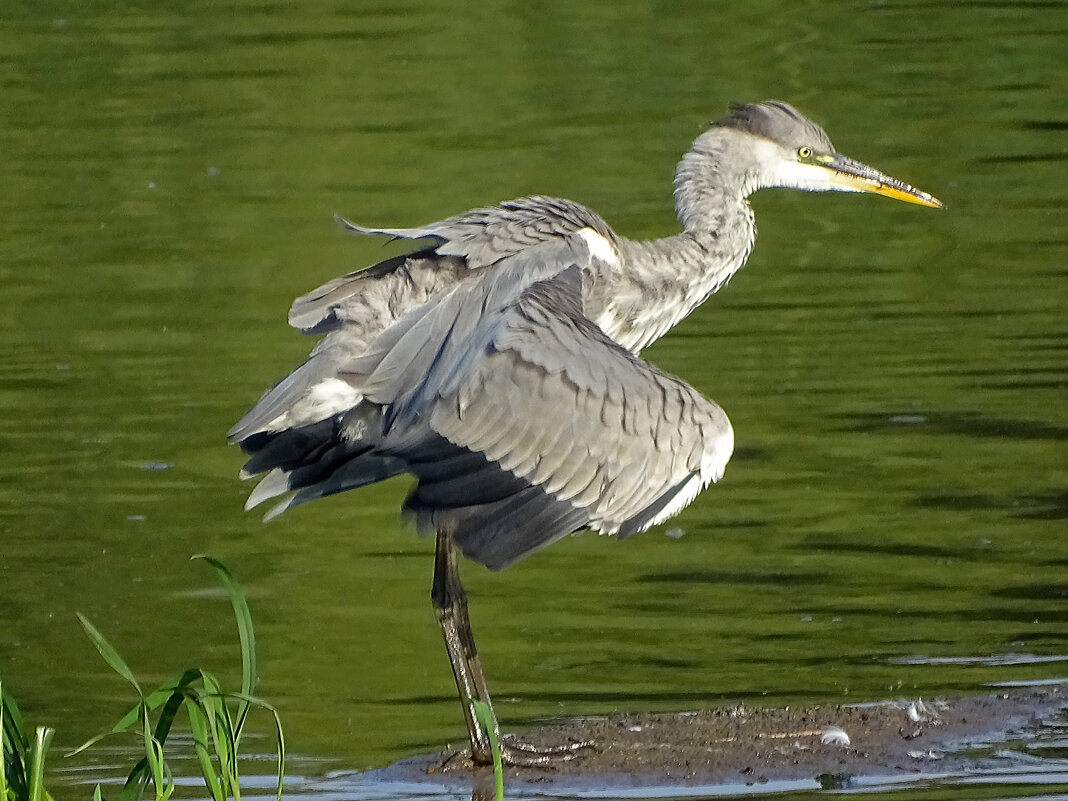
453, 247
533, 423
485, 236
351, 312
286, 427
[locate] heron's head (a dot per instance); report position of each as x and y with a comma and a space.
781, 147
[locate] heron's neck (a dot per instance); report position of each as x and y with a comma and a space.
656, 285
660, 282
710, 193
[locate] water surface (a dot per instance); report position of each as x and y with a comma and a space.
893, 523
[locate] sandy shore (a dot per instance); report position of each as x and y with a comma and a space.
830, 745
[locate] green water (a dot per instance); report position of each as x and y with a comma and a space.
896, 376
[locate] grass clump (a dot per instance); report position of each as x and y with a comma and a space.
22, 757
216, 719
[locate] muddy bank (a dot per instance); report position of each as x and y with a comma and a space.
830, 745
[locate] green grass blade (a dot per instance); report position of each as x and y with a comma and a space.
96, 738
154, 766
215, 723
229, 742
167, 689
198, 724
107, 650
282, 749
162, 779
485, 720
168, 777
40, 749
16, 748
226, 750
96, 794
218, 725
153, 756
3, 747
279, 733
245, 633
124, 723
13, 716
173, 692
176, 694
136, 782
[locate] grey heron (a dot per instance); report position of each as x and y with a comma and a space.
498, 363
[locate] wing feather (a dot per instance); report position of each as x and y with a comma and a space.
485, 236
576, 428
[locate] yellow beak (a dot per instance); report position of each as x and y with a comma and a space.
856, 177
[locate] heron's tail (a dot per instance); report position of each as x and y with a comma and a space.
319, 459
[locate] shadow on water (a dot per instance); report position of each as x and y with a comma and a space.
1052, 505
732, 577
966, 424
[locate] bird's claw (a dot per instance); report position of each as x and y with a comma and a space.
519, 754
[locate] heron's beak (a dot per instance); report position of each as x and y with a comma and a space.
853, 176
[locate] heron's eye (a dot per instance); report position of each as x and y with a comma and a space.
804, 152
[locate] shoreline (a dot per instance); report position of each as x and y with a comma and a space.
829, 746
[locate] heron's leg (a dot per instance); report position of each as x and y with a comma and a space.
450, 604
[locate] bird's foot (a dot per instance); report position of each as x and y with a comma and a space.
517, 754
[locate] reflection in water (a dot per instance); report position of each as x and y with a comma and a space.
993, 659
